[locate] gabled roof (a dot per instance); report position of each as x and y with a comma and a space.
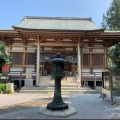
57, 23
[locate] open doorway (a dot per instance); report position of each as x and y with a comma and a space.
91, 84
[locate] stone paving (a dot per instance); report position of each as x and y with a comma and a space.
23, 106
16, 106
27, 106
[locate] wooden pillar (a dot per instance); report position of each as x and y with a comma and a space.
81, 66
9, 53
73, 68
9, 48
24, 58
79, 62
38, 62
43, 64
105, 57
91, 65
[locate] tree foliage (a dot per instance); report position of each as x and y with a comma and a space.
114, 56
4, 58
111, 19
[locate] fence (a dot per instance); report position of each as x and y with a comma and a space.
111, 85
19, 77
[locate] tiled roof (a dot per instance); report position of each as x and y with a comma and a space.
57, 23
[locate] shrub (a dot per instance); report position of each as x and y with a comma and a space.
8, 90
3, 87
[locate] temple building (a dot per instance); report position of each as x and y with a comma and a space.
35, 40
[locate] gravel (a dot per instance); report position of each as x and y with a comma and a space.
88, 106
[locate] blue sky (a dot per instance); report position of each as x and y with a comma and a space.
13, 11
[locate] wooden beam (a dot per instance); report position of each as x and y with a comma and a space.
94, 52
58, 44
94, 67
30, 66
24, 51
20, 46
53, 51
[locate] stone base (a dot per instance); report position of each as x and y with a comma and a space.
28, 83
10, 86
57, 106
60, 113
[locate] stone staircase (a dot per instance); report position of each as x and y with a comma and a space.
45, 81
68, 86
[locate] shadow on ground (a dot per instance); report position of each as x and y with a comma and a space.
26, 105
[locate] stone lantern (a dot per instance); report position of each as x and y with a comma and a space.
57, 108
57, 73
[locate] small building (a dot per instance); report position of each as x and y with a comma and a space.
36, 39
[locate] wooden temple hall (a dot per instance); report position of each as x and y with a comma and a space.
35, 40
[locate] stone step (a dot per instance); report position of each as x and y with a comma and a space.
62, 91
63, 86
69, 79
70, 88
65, 83
52, 88
46, 81
78, 92
52, 81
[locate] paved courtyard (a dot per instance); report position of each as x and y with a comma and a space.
27, 106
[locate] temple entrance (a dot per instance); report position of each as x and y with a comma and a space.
47, 69
67, 69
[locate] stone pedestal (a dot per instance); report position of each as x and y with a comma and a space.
28, 83
10, 86
29, 74
59, 113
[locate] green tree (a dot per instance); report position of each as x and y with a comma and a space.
114, 56
111, 19
4, 58
2, 49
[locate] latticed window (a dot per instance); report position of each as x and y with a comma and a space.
86, 59
17, 58
98, 59
30, 58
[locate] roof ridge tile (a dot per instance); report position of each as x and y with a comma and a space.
61, 18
